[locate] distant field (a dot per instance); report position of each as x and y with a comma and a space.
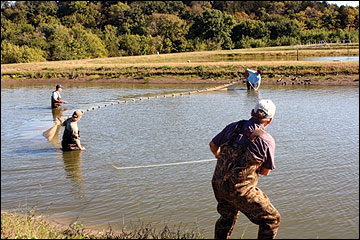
207, 66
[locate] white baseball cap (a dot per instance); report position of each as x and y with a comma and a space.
267, 106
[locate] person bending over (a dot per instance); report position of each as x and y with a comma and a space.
71, 136
253, 79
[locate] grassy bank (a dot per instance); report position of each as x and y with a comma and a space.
30, 226
196, 67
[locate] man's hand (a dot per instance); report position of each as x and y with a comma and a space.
65, 102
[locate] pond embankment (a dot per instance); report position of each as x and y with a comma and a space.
279, 65
31, 226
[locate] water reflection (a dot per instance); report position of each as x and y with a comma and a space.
254, 96
72, 166
57, 113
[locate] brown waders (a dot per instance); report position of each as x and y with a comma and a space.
234, 184
54, 103
68, 142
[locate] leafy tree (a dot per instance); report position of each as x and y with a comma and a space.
117, 14
196, 44
291, 8
240, 16
9, 30
62, 30
330, 17
148, 45
276, 8
130, 44
128, 20
17, 13
84, 44
167, 46
95, 12
248, 42
338, 35
41, 11
59, 38
284, 27
313, 18
73, 12
314, 35
136, 20
169, 27
251, 28
349, 17
111, 41
213, 25
11, 53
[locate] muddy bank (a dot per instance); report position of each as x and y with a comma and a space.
338, 80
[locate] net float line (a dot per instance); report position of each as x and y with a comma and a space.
49, 133
161, 96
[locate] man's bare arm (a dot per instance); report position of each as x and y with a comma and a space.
214, 149
264, 171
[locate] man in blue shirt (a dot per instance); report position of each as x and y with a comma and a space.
253, 79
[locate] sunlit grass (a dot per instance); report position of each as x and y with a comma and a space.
26, 225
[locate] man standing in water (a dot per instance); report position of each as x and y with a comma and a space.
56, 101
253, 79
244, 150
71, 136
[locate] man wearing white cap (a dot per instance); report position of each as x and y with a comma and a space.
71, 136
244, 150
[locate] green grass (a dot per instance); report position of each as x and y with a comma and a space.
26, 225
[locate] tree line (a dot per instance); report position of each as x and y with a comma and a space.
65, 30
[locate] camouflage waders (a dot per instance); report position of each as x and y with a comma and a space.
234, 184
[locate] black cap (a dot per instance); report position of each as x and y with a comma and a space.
59, 86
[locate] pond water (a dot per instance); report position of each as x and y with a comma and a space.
340, 58
264, 57
315, 186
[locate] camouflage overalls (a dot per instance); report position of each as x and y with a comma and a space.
234, 184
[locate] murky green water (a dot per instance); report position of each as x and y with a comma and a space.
315, 186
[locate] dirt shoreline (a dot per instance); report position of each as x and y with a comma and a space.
339, 80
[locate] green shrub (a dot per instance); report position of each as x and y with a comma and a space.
11, 53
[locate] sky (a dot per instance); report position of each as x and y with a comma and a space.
345, 3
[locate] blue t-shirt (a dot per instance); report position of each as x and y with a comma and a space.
263, 149
253, 77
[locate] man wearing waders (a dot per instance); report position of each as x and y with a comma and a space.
71, 136
244, 150
56, 101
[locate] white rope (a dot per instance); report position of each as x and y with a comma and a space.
165, 164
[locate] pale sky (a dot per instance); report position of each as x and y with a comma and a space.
345, 3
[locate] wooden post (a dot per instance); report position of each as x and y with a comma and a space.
297, 53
